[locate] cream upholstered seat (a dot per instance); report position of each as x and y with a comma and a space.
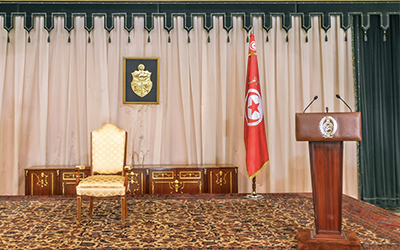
109, 175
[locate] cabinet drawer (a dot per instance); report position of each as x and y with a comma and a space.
176, 181
67, 183
161, 181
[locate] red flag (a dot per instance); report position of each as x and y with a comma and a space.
254, 129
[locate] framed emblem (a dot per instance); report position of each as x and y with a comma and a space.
141, 80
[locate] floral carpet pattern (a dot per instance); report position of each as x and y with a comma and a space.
182, 221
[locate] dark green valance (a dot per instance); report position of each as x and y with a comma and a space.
206, 9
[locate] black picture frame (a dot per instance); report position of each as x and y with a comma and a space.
151, 64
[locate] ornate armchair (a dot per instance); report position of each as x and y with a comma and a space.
109, 175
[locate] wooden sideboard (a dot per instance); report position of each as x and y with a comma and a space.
52, 179
149, 179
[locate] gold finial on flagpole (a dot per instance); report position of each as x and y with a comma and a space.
252, 30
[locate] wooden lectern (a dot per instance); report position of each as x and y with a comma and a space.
325, 133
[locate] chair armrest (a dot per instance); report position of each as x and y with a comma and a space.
128, 167
80, 167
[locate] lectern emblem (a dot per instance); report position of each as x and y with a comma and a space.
328, 126
141, 83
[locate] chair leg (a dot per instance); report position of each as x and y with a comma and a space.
91, 207
126, 207
123, 209
79, 200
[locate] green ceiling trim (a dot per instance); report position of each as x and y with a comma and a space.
206, 9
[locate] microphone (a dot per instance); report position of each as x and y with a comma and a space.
338, 97
327, 110
315, 98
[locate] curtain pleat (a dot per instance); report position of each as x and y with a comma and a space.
55, 93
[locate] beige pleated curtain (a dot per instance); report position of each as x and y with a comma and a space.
54, 94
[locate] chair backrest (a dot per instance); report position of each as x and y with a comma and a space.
108, 149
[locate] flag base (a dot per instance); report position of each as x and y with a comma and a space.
254, 196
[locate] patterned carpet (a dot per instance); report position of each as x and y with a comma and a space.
182, 221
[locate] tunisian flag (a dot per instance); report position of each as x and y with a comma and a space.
254, 129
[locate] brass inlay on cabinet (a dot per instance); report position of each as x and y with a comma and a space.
162, 175
230, 182
133, 179
221, 179
70, 176
42, 181
210, 184
176, 185
190, 174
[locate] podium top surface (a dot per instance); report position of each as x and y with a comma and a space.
340, 126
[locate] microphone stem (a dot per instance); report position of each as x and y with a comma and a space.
346, 105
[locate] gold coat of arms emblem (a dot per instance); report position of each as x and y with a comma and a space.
328, 126
141, 83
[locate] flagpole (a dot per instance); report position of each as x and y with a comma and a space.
254, 194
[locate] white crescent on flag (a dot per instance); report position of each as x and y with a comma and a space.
254, 111
252, 45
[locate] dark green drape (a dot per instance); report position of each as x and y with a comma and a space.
377, 87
